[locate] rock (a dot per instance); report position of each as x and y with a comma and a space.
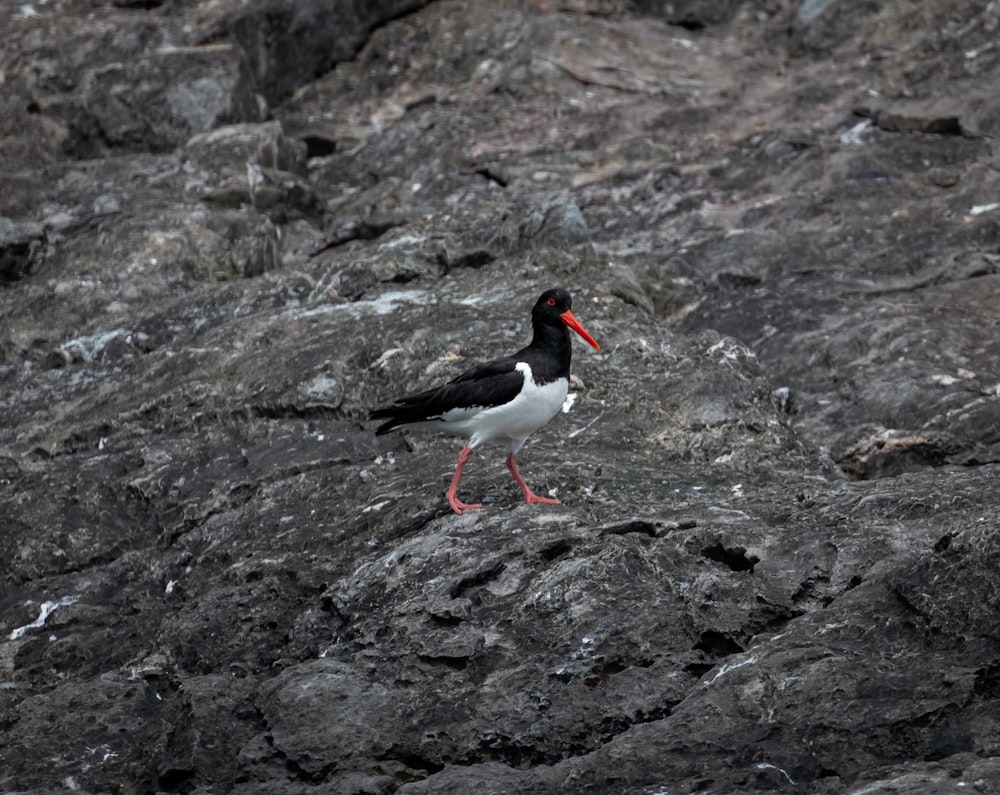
971, 115
262, 145
822, 25
689, 14
159, 101
18, 242
289, 44
558, 224
147, 91
229, 231
255, 166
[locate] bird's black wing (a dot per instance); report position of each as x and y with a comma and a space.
489, 384
488, 370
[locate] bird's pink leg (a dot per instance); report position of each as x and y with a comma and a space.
529, 495
457, 505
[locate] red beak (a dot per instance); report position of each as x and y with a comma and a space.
573, 323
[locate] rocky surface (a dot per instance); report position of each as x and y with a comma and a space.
227, 230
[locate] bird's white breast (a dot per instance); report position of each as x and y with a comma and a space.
510, 422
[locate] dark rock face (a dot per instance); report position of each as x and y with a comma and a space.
229, 230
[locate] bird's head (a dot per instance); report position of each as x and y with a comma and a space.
554, 307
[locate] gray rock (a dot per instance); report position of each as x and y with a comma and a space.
821, 25
773, 565
558, 224
19, 240
289, 44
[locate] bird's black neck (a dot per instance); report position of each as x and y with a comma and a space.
554, 343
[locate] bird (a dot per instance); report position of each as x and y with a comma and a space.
504, 400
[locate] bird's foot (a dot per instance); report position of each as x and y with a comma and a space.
530, 497
459, 507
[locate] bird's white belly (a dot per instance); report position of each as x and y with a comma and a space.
511, 422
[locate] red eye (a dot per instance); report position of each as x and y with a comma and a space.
551, 302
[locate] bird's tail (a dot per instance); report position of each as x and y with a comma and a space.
411, 408
389, 413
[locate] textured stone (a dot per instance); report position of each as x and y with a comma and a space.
230, 229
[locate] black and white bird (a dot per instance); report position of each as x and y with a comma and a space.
505, 400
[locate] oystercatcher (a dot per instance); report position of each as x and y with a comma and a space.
503, 400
